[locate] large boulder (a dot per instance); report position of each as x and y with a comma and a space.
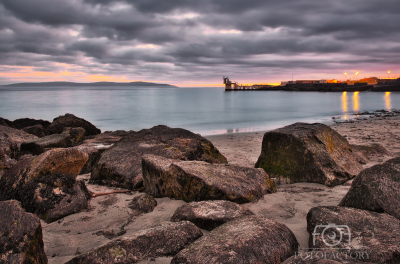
5, 162
5, 122
248, 239
209, 214
376, 189
95, 145
304, 152
10, 143
355, 232
21, 239
38, 146
37, 130
199, 180
28, 122
164, 240
46, 185
121, 165
11, 139
54, 196
68, 138
69, 120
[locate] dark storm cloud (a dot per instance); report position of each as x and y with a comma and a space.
176, 39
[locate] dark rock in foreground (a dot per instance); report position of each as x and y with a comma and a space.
164, 240
209, 214
376, 189
371, 232
245, 240
198, 180
304, 152
21, 238
54, 196
69, 120
28, 122
46, 184
121, 165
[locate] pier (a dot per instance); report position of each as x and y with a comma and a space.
234, 86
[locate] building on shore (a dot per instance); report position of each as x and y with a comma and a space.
307, 81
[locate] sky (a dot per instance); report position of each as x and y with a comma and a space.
197, 42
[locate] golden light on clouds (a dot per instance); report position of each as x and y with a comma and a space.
30, 74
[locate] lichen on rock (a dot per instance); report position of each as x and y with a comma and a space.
304, 152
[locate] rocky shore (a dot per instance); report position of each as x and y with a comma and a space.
72, 194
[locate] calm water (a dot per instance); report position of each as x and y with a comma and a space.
201, 110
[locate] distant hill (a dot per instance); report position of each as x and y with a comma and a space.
50, 84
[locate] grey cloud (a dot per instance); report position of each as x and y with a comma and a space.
107, 33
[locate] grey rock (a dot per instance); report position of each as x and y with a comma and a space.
21, 239
143, 203
6, 122
248, 239
121, 165
164, 240
357, 231
37, 130
11, 139
95, 145
69, 120
28, 122
304, 152
209, 214
38, 146
76, 135
366, 152
46, 184
199, 180
68, 138
376, 189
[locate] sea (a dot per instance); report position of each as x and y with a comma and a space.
207, 111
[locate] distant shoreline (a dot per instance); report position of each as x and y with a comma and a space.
51, 84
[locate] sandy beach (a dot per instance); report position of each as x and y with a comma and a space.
109, 217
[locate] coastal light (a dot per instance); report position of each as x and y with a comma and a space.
356, 101
387, 100
345, 76
388, 74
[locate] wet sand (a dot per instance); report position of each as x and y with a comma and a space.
109, 216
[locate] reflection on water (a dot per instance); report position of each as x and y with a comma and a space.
344, 101
356, 101
387, 100
201, 110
